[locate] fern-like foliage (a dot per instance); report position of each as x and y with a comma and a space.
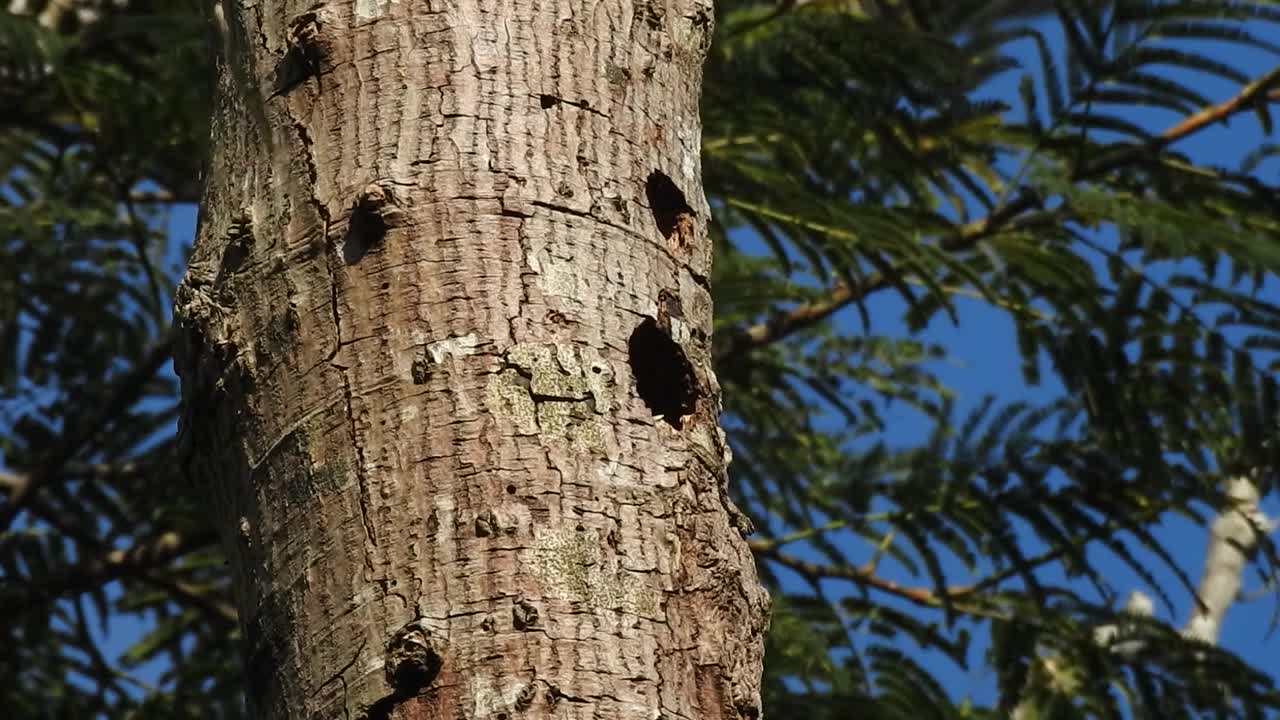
104, 117
872, 160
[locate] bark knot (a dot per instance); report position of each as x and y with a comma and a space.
414, 656
524, 614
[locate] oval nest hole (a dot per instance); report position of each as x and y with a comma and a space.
671, 212
664, 376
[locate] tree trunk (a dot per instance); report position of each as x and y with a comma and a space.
445, 364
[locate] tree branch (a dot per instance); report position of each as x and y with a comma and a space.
102, 568
123, 395
10, 481
1234, 534
841, 296
220, 612
138, 237
864, 575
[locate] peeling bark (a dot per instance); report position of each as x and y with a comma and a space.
425, 301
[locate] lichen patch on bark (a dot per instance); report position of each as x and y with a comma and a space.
573, 566
557, 391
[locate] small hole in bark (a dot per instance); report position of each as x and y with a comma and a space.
548, 101
234, 256
365, 232
524, 615
420, 370
303, 58
367, 227
386, 285
664, 375
671, 212
511, 489
239, 241
486, 523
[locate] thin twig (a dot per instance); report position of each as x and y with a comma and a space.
103, 567
863, 575
122, 396
138, 238
220, 612
841, 296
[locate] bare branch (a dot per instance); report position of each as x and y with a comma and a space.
862, 575
1232, 538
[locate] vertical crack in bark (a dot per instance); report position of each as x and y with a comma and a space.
525, 276
312, 196
340, 676
366, 496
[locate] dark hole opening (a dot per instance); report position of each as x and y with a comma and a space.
664, 375
511, 489
364, 232
548, 101
416, 672
234, 256
670, 209
298, 64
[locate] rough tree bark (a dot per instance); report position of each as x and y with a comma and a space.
445, 364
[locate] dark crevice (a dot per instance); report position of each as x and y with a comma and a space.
414, 673
549, 101
664, 376
382, 707
365, 231
238, 249
294, 68
233, 257
671, 212
303, 58
555, 695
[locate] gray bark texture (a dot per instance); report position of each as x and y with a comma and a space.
444, 350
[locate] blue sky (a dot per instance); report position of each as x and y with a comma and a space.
984, 360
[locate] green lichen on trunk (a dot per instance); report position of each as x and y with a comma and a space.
555, 390
574, 567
